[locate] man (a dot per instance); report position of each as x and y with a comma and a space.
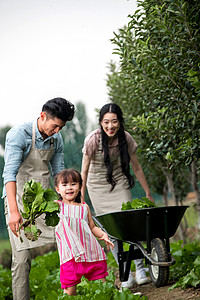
33, 150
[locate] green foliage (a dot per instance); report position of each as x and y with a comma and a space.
5, 284
45, 281
192, 278
44, 277
111, 262
3, 133
144, 202
73, 135
157, 84
187, 267
46, 284
38, 201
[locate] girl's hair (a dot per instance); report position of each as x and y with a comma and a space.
123, 147
69, 175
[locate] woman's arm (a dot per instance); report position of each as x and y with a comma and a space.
98, 232
137, 169
84, 174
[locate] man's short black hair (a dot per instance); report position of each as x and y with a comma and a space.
59, 108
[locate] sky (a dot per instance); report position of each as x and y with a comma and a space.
56, 48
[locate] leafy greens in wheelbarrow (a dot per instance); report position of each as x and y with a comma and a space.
144, 202
38, 201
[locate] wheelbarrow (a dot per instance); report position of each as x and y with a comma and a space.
147, 231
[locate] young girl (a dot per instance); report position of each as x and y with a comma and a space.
80, 253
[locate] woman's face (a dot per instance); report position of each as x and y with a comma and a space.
110, 124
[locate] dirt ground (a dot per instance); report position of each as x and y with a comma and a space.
162, 293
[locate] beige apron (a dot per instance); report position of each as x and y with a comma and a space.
103, 200
35, 166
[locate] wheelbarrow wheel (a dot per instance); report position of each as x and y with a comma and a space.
159, 275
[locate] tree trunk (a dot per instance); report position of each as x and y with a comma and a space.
194, 181
170, 184
164, 195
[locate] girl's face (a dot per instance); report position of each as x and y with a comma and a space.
110, 124
68, 191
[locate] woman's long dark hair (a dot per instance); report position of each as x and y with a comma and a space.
123, 147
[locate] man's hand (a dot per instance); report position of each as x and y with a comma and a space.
15, 221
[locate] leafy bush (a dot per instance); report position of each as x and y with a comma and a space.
187, 267
45, 283
45, 277
5, 284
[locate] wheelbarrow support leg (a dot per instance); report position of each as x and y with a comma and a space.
124, 257
167, 244
120, 260
148, 232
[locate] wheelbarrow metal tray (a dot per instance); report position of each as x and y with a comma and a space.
132, 225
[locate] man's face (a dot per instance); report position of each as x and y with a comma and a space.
50, 126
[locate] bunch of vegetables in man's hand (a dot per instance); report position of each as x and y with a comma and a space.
138, 204
38, 201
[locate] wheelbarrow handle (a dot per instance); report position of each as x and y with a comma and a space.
150, 259
102, 228
142, 249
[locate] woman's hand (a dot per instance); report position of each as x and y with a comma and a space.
106, 240
150, 197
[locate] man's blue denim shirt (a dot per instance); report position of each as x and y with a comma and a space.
18, 144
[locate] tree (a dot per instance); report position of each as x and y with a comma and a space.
73, 135
157, 85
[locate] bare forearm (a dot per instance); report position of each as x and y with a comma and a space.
15, 217
137, 169
97, 232
141, 178
84, 174
83, 188
11, 196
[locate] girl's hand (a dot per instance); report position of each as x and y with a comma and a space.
106, 240
58, 202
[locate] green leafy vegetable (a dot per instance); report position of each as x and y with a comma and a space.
37, 201
138, 204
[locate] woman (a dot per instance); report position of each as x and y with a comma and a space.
107, 154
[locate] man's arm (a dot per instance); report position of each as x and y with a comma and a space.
14, 153
15, 217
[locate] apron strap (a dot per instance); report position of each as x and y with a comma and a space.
33, 137
51, 142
